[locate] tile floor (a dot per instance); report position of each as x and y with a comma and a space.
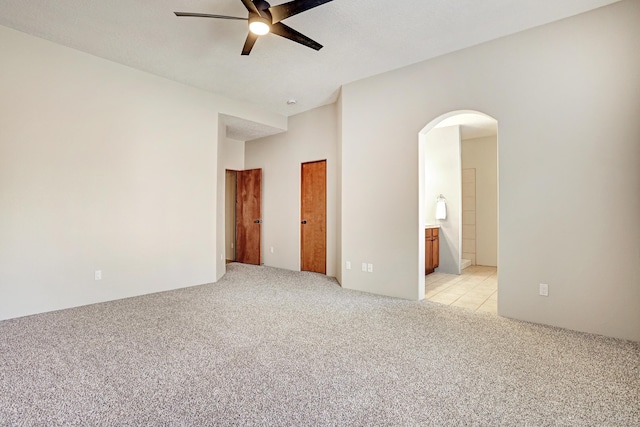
475, 289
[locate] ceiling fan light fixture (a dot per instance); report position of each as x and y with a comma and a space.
264, 19
259, 25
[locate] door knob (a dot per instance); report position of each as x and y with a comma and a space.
258, 221
304, 222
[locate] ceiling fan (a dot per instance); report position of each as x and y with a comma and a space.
264, 19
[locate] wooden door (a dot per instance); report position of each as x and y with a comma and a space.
248, 216
313, 221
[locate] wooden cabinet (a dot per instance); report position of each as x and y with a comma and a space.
431, 249
436, 247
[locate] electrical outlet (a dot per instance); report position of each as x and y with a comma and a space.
348, 265
544, 289
271, 249
370, 268
98, 275
364, 267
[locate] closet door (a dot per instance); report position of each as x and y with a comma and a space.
313, 217
249, 216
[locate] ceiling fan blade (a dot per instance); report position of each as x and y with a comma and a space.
283, 11
248, 44
289, 33
206, 15
250, 6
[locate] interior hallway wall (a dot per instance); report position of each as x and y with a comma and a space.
469, 215
338, 116
233, 160
229, 215
312, 136
567, 98
481, 154
442, 177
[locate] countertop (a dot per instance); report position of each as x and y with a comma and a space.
432, 226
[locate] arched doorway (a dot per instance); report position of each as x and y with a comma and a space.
458, 210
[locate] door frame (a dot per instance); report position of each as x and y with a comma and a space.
421, 193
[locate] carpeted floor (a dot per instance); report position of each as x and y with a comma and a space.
271, 347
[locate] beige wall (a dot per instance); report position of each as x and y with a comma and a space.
469, 215
311, 136
233, 160
566, 99
229, 215
233, 153
481, 154
338, 115
103, 167
442, 177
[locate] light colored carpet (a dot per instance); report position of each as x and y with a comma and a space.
271, 347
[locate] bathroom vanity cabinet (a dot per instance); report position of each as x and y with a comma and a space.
431, 249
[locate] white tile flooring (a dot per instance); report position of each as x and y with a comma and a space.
475, 289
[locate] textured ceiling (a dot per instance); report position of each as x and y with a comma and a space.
360, 39
245, 130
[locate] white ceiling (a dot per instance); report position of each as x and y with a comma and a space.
360, 39
472, 125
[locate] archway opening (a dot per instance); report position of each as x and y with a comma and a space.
458, 210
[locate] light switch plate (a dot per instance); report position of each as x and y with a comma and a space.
544, 289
